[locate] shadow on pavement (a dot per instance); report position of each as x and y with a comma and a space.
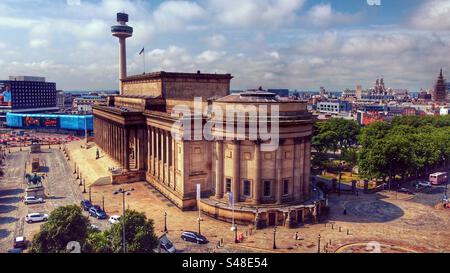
11, 192
375, 210
9, 200
7, 208
4, 233
7, 220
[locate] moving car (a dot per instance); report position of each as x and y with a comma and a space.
32, 200
191, 236
97, 212
424, 184
36, 217
20, 242
114, 219
86, 205
438, 178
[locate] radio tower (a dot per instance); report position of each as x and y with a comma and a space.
122, 31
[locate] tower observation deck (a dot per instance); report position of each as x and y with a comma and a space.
122, 31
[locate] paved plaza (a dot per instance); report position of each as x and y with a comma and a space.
386, 222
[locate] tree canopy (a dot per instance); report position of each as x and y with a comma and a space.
65, 224
139, 231
406, 146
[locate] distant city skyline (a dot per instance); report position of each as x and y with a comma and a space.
294, 44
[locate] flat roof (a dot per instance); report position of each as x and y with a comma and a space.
164, 74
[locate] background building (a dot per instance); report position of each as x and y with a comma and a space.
440, 89
76, 124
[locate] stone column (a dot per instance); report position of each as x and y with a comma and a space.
153, 149
297, 170
127, 149
219, 169
307, 179
167, 146
120, 145
236, 171
157, 147
174, 176
149, 150
302, 165
278, 182
257, 175
163, 156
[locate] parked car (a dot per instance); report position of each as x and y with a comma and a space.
36, 217
33, 200
114, 219
194, 237
405, 190
166, 244
15, 250
97, 212
20, 242
424, 184
86, 205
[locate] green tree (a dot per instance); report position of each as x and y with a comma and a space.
65, 224
140, 237
98, 242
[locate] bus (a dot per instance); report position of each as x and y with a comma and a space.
438, 178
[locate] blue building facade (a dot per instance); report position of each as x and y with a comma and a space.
49, 121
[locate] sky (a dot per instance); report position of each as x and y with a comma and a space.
295, 44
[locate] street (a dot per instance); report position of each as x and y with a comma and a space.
60, 185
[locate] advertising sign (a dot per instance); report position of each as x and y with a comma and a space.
35, 122
5, 95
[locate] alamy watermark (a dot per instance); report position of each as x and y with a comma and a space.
235, 122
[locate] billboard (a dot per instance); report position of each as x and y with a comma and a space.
5, 95
35, 122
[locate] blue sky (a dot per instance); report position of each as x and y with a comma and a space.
296, 44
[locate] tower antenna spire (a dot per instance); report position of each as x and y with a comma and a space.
122, 31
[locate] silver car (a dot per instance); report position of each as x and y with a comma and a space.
33, 200
36, 217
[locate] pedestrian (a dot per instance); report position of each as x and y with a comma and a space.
296, 235
345, 211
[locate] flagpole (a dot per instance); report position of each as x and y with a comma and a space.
143, 56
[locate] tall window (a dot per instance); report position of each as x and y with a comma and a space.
247, 188
267, 188
227, 184
285, 187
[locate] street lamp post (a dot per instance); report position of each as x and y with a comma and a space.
274, 246
235, 234
165, 223
90, 192
318, 244
84, 186
103, 203
123, 192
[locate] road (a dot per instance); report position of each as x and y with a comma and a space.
61, 189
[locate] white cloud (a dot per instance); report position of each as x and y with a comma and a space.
255, 13
216, 41
74, 2
433, 14
173, 14
38, 43
323, 15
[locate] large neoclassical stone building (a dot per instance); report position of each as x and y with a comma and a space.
269, 187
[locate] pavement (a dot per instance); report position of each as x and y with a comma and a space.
60, 185
385, 221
